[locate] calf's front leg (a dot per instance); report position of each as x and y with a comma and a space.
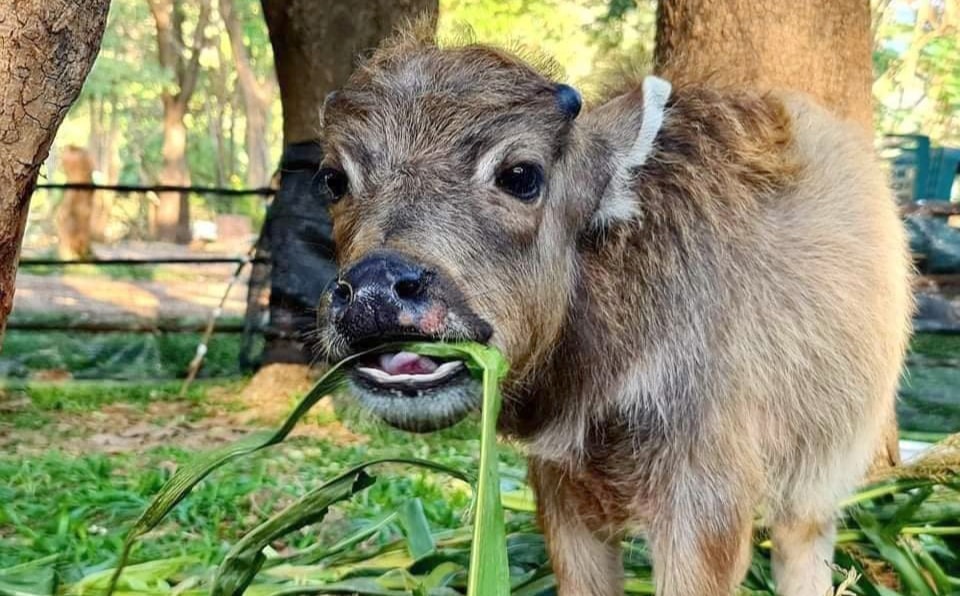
582, 540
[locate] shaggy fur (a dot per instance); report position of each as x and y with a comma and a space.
729, 343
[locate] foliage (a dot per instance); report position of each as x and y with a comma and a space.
364, 537
119, 115
917, 68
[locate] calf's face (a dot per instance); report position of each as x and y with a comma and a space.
460, 184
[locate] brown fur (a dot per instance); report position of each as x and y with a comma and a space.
729, 341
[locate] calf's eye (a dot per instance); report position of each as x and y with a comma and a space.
522, 180
335, 182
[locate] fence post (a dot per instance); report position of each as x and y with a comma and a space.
300, 237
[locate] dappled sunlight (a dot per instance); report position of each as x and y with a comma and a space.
122, 294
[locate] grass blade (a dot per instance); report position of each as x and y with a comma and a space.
415, 527
489, 573
246, 557
910, 573
185, 478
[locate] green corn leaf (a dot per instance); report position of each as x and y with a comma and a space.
910, 574
319, 552
185, 478
905, 512
935, 571
135, 577
36, 578
362, 586
417, 530
538, 587
244, 560
519, 499
489, 573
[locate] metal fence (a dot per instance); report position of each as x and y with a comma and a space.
252, 325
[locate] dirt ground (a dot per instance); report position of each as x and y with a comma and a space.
177, 291
224, 416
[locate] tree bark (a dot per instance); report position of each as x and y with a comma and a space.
171, 221
47, 48
316, 44
75, 212
820, 48
102, 144
256, 97
315, 47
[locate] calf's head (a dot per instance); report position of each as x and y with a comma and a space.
461, 184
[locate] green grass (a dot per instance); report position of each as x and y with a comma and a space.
79, 506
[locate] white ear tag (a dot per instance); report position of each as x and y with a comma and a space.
656, 91
619, 203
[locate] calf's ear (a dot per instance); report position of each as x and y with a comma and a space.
629, 125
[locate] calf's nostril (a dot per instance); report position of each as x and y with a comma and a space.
408, 288
342, 292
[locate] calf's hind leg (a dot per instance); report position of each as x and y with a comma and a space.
802, 552
701, 542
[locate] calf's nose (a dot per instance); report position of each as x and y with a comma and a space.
379, 297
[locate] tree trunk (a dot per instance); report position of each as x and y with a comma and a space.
173, 211
315, 46
47, 48
171, 221
75, 212
256, 101
102, 144
820, 48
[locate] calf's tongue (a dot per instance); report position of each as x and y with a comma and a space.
407, 363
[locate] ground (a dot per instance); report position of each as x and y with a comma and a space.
92, 425
124, 292
81, 460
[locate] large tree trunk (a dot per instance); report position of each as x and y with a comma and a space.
315, 45
820, 48
47, 48
171, 221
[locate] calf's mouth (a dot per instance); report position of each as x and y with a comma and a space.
414, 392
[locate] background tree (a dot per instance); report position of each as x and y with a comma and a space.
172, 216
821, 48
917, 63
256, 94
309, 65
48, 48
75, 213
